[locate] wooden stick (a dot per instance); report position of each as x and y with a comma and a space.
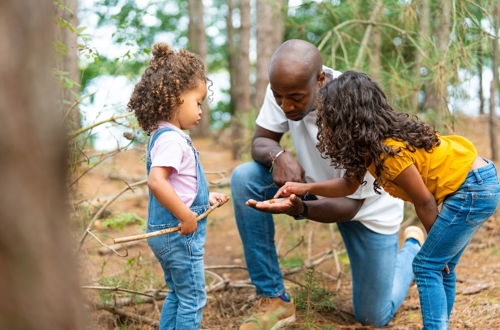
164, 231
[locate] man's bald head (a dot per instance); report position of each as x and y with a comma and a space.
295, 75
296, 58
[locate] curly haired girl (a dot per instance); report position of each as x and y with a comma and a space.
359, 130
166, 101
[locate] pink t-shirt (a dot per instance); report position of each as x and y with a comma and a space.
172, 150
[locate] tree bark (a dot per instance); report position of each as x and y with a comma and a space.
366, 37
480, 76
424, 26
198, 44
242, 104
494, 84
67, 62
270, 30
38, 270
436, 93
231, 55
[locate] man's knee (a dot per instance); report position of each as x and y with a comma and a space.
245, 174
373, 317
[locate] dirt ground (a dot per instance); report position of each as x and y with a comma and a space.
299, 243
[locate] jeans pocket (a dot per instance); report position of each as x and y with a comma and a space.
483, 205
159, 244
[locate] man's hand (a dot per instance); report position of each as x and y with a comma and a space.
188, 224
292, 205
287, 168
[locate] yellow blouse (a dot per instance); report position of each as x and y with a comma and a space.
443, 169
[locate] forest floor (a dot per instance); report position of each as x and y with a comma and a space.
327, 288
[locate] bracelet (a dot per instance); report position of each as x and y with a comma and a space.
273, 158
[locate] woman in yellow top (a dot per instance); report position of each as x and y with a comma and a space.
359, 131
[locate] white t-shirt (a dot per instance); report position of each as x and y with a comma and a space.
380, 213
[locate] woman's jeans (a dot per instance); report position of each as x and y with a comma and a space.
180, 256
461, 215
380, 275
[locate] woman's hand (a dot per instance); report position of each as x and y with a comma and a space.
215, 197
290, 188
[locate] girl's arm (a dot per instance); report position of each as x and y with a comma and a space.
339, 187
166, 195
411, 182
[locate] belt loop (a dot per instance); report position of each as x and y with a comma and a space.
479, 179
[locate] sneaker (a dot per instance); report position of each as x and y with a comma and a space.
414, 232
271, 313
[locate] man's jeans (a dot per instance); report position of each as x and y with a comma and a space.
380, 275
461, 215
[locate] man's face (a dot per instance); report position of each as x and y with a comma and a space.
295, 96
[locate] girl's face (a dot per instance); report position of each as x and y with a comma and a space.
188, 114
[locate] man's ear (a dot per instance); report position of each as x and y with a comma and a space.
321, 78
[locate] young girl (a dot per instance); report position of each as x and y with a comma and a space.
360, 132
166, 101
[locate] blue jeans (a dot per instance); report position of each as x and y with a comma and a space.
461, 215
180, 256
380, 275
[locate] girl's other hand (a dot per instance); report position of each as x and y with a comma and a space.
215, 197
290, 188
188, 225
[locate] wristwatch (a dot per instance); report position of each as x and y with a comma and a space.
303, 214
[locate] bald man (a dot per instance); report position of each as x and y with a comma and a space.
368, 222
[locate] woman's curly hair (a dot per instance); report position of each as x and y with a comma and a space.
168, 75
354, 119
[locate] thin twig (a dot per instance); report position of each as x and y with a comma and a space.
96, 216
111, 248
116, 289
113, 118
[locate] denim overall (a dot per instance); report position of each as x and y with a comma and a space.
180, 256
461, 215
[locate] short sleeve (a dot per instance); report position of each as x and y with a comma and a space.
167, 151
394, 165
271, 117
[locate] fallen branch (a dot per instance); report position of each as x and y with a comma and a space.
132, 316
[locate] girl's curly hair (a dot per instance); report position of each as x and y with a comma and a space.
354, 119
168, 75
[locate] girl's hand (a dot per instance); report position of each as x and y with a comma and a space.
189, 224
290, 188
215, 197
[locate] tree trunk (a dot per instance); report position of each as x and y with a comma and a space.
38, 270
270, 30
366, 37
242, 104
436, 93
423, 37
493, 85
480, 76
375, 65
231, 55
67, 62
198, 44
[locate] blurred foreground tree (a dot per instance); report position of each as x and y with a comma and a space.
198, 44
38, 271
